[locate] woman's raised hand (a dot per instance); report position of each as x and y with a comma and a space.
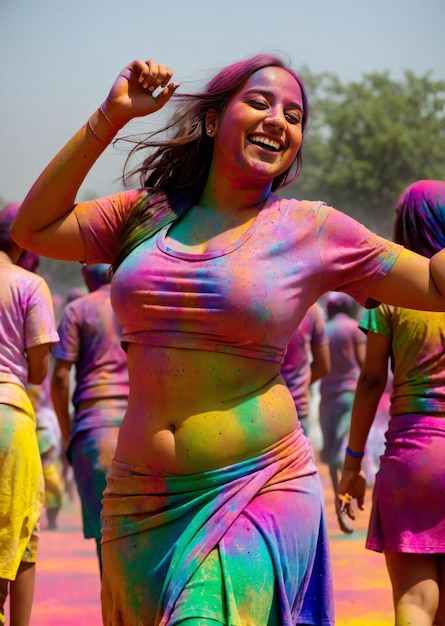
141, 88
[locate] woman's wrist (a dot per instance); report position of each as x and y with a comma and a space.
353, 460
101, 126
353, 454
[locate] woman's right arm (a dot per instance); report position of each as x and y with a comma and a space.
46, 223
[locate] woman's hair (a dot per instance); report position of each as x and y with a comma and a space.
176, 170
420, 217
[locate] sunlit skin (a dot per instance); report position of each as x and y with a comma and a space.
186, 431
268, 109
257, 137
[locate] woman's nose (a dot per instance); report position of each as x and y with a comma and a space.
276, 120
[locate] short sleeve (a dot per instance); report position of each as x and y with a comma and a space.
354, 259
101, 223
377, 321
40, 325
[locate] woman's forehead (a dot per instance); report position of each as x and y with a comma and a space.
274, 78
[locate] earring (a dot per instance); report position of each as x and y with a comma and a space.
209, 131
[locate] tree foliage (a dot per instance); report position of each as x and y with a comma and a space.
368, 140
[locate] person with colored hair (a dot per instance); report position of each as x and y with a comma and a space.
90, 339
407, 521
347, 353
213, 510
306, 360
28, 329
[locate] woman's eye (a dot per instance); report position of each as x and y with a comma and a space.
258, 104
294, 118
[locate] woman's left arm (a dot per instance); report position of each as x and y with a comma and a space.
370, 386
414, 282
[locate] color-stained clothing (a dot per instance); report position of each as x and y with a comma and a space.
344, 336
408, 502
245, 300
408, 512
26, 320
296, 368
49, 439
91, 453
21, 488
233, 528
337, 388
418, 357
90, 338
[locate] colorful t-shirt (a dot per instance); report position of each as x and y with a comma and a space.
296, 368
26, 320
344, 337
90, 337
418, 357
246, 299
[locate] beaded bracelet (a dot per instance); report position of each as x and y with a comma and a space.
355, 455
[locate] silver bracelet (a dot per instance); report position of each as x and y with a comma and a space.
93, 131
101, 109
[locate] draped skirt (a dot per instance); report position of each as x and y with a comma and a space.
244, 544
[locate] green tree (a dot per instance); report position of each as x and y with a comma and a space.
368, 140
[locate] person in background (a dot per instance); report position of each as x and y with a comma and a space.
68, 475
49, 436
50, 447
407, 521
347, 352
307, 360
90, 339
213, 510
28, 329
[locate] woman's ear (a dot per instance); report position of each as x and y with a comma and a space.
211, 122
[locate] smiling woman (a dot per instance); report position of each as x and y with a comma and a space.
213, 510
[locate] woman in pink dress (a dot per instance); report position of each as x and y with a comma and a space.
407, 519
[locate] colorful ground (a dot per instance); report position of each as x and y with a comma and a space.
67, 586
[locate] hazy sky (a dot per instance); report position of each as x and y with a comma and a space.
58, 58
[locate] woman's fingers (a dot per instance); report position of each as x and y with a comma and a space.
148, 74
344, 505
164, 95
139, 79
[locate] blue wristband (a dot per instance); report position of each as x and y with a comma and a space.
355, 455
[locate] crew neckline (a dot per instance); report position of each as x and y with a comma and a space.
162, 235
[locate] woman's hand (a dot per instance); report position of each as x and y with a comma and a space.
133, 92
352, 486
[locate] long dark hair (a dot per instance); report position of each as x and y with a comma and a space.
176, 170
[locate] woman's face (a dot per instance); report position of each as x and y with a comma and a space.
260, 133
